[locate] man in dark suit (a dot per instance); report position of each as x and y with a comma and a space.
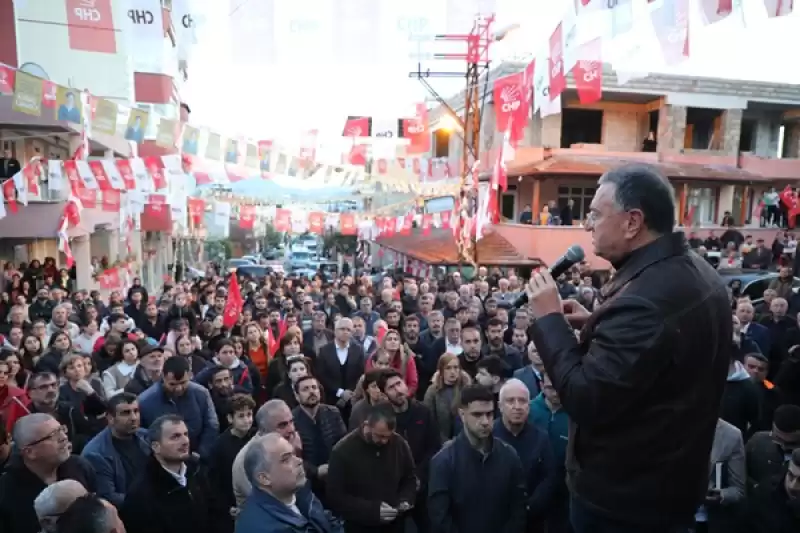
753, 330
340, 365
643, 385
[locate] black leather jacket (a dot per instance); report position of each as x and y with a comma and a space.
643, 385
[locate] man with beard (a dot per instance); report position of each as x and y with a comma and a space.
320, 427
120, 451
177, 394
44, 458
476, 481
371, 481
172, 494
416, 425
221, 387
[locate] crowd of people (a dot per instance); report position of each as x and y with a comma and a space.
358, 404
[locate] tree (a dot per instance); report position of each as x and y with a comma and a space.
272, 238
216, 248
344, 244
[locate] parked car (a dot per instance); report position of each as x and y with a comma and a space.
254, 271
233, 264
753, 282
299, 258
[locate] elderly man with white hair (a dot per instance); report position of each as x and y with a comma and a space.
54, 500
59, 321
280, 499
43, 458
340, 365
533, 447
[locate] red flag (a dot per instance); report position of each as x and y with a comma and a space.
100, 175
588, 72
427, 222
111, 200
109, 279
316, 222
247, 216
74, 177
510, 105
283, 220
383, 166
7, 77
382, 331
272, 343
556, 64
445, 216
234, 304
358, 155
88, 197
10, 194
347, 224
196, 208
417, 130
356, 127
124, 167
155, 167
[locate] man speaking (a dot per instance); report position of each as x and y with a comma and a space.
643, 384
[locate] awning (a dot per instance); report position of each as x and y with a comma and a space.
598, 165
439, 248
40, 221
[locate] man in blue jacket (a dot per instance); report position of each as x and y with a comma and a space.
281, 500
176, 394
120, 451
533, 447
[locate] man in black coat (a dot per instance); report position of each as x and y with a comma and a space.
44, 458
172, 494
643, 385
339, 365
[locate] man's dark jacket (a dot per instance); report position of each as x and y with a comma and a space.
643, 385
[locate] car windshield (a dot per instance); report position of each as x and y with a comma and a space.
301, 255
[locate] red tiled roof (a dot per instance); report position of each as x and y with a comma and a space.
598, 165
439, 248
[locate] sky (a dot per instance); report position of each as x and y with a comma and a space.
276, 71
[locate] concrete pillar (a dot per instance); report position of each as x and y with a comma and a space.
731, 131
114, 248
551, 131
726, 196
671, 128
82, 252
533, 133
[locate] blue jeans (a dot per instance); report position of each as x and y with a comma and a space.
585, 520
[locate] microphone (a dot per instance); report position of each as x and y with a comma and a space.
573, 255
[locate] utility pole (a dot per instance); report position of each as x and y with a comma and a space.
476, 57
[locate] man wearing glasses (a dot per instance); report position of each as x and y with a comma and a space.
43, 392
43, 457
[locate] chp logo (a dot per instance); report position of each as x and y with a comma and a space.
415, 126
353, 131
141, 16
591, 70
87, 11
510, 95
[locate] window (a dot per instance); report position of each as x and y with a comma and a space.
581, 126
703, 129
704, 202
508, 206
582, 196
441, 141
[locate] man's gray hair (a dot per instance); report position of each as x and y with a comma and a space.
256, 459
55, 499
342, 322
24, 431
511, 384
265, 413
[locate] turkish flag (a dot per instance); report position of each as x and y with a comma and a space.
283, 220
109, 279
510, 105
347, 224
558, 82
233, 307
588, 72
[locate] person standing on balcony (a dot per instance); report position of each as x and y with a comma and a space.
566, 213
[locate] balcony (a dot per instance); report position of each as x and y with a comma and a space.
778, 169
548, 243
